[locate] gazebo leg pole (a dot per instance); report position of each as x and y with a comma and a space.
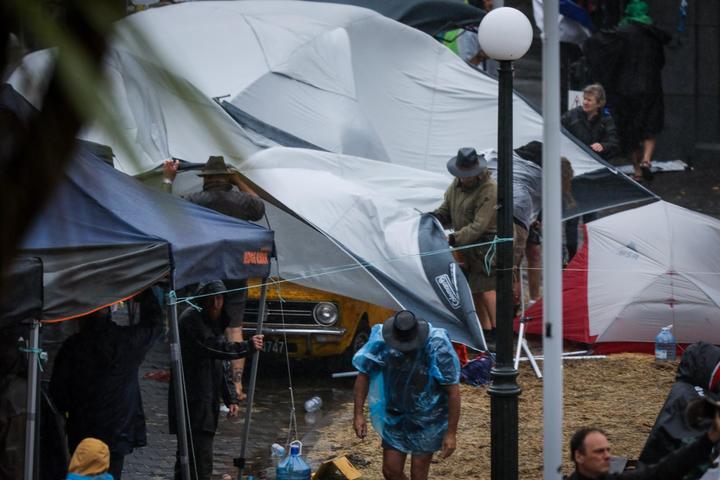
179, 385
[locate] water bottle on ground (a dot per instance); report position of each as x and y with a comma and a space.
294, 467
314, 404
665, 345
277, 452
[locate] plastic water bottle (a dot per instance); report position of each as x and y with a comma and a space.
665, 345
294, 467
314, 404
277, 452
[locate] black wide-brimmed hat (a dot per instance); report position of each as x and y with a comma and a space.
467, 163
405, 332
215, 166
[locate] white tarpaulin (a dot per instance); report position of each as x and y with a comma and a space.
343, 78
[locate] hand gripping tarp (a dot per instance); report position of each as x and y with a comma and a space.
407, 398
104, 236
377, 243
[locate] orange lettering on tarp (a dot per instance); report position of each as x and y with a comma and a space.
255, 258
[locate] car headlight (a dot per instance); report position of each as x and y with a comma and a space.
325, 314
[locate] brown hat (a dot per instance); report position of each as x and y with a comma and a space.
215, 166
91, 457
467, 163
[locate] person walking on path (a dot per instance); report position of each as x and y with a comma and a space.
225, 192
205, 352
412, 375
469, 208
95, 379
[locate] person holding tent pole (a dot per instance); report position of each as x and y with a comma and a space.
469, 208
226, 193
204, 352
412, 375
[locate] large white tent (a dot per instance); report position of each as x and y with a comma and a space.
641, 270
234, 78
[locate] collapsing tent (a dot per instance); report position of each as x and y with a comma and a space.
639, 271
104, 237
312, 75
318, 76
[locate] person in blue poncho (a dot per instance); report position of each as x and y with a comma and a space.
411, 374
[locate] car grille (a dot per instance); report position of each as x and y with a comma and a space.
295, 313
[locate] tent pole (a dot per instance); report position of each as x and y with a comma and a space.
179, 385
552, 247
240, 461
32, 391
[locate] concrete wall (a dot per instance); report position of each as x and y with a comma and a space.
691, 79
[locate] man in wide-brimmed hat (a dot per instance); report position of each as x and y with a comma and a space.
415, 405
469, 209
225, 192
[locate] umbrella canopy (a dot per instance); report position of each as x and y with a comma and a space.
337, 77
638, 271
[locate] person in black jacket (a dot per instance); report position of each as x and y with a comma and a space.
590, 124
596, 129
95, 379
205, 356
590, 452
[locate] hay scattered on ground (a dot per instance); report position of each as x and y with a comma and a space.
621, 394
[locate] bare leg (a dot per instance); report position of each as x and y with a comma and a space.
481, 311
648, 150
235, 335
533, 253
635, 158
489, 299
394, 464
420, 466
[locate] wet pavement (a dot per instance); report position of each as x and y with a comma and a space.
269, 424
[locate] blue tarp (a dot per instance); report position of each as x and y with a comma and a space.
105, 236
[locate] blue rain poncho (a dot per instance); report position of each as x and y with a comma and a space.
408, 400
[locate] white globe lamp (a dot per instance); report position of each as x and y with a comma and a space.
505, 34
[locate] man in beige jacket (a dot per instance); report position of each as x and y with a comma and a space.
470, 210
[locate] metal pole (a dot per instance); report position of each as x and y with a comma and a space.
504, 390
179, 385
552, 247
32, 396
240, 462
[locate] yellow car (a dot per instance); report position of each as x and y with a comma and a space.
310, 322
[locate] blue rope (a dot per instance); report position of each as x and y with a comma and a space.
41, 354
173, 300
347, 267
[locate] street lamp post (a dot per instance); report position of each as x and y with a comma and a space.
505, 35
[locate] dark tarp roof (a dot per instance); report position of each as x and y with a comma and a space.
429, 16
104, 236
22, 294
